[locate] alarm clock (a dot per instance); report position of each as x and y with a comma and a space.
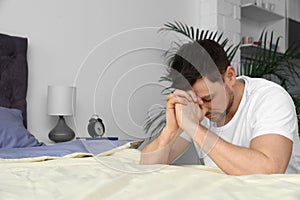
96, 127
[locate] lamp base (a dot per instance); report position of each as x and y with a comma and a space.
61, 132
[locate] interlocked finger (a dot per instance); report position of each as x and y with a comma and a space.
193, 95
172, 99
189, 95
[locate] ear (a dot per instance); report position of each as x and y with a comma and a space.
230, 76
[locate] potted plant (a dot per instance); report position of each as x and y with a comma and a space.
267, 62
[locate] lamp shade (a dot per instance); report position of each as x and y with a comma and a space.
61, 100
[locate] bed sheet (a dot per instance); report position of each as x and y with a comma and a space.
77, 148
118, 175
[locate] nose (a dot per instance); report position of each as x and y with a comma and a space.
204, 106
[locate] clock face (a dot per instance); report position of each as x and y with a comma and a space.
99, 129
96, 128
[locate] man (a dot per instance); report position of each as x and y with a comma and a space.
242, 125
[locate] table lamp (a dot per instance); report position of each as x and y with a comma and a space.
61, 102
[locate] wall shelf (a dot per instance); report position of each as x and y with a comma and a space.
258, 13
248, 50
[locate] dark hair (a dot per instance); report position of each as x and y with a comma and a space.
194, 60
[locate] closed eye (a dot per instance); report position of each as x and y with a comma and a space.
206, 100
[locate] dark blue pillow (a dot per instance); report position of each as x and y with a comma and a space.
13, 134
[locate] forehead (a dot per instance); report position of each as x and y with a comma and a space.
203, 87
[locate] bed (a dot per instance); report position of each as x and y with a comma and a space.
117, 175
102, 169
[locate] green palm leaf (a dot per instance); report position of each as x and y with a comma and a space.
264, 59
189, 32
268, 62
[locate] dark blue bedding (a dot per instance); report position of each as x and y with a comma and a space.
62, 149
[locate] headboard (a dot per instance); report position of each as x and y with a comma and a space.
13, 73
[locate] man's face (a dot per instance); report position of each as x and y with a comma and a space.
215, 99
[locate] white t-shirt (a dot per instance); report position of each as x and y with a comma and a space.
265, 108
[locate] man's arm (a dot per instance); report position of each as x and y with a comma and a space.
163, 150
267, 154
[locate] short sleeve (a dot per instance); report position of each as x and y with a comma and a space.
274, 112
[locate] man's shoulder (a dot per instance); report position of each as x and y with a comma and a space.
262, 93
257, 81
261, 85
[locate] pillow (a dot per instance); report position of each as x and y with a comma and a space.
13, 134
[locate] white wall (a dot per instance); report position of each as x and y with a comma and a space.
293, 9
229, 22
62, 34
223, 16
108, 50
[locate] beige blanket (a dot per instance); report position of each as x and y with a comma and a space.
119, 176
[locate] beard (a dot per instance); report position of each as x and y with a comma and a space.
221, 118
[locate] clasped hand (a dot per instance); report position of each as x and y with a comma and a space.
183, 111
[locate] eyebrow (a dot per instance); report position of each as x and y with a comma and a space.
208, 96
